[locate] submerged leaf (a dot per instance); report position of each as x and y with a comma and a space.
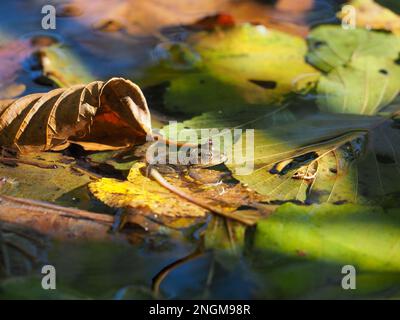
22, 250
61, 66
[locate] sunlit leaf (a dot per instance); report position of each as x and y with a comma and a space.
143, 194
366, 237
363, 74
363, 87
370, 14
331, 46
310, 157
232, 69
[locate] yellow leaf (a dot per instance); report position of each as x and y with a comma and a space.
143, 194
371, 15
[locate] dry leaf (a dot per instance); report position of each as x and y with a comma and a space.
103, 115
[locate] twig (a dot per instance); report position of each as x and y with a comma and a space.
160, 179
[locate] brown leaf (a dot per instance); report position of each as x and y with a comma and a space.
99, 115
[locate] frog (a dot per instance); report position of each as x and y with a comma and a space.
188, 160
194, 157
191, 156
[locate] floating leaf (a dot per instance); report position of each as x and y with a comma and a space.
353, 88
149, 197
99, 115
308, 157
143, 194
330, 46
232, 69
366, 237
43, 176
356, 61
61, 66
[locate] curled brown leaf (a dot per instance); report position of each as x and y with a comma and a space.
99, 115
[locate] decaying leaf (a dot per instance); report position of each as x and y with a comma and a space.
143, 194
148, 197
371, 15
55, 221
231, 69
166, 14
99, 115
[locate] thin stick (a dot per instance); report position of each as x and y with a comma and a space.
160, 179
32, 163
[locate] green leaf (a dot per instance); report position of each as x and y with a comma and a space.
331, 46
232, 69
309, 157
366, 237
363, 74
363, 87
371, 15
42, 176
